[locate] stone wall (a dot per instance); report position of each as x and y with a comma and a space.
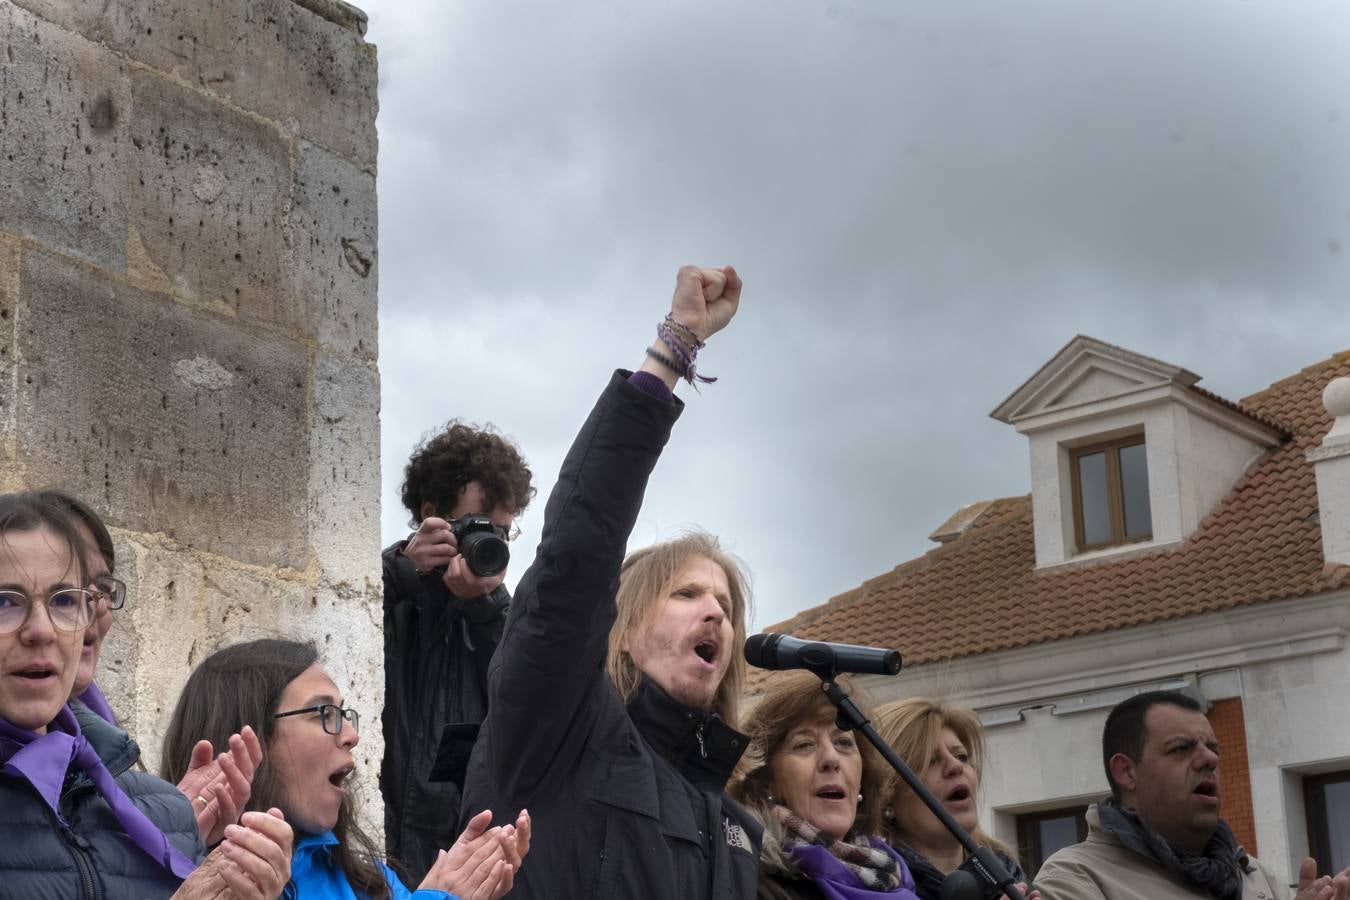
188, 270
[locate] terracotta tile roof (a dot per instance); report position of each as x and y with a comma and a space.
1261, 544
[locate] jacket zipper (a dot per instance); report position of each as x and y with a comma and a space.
698, 733
78, 845
78, 851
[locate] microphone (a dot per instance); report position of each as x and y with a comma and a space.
782, 651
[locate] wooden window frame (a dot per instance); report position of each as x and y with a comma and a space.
1029, 833
1314, 807
1115, 493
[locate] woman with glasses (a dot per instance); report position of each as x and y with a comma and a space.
79, 819
280, 689
100, 561
216, 786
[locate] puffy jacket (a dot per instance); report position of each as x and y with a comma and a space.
436, 653
627, 801
93, 859
1102, 868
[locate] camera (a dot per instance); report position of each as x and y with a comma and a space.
482, 544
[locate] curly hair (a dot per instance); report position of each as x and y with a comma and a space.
445, 462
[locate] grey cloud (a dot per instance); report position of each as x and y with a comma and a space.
927, 200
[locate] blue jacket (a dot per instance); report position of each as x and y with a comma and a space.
313, 875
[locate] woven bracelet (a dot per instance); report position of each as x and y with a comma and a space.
684, 331
686, 355
669, 363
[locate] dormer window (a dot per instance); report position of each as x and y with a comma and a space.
1110, 493
1098, 488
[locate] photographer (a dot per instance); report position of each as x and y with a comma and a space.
444, 607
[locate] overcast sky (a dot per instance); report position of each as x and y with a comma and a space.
926, 201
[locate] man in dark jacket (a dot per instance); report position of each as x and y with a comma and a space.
442, 619
614, 687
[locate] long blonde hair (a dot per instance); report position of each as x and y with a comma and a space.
644, 586
913, 728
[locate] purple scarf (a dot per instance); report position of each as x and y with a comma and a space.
43, 760
837, 882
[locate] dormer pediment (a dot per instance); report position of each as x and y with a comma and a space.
1127, 451
1087, 372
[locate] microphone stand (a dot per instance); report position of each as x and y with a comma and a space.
982, 876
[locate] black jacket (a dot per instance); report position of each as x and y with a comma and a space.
780, 886
625, 803
928, 880
436, 653
93, 859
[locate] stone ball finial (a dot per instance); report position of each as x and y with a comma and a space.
1336, 397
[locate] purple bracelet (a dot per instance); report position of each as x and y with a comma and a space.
685, 355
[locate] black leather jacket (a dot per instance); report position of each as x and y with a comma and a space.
627, 801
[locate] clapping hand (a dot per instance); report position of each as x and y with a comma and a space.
218, 788
1328, 887
483, 863
253, 862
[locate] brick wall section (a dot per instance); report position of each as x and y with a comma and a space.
1235, 783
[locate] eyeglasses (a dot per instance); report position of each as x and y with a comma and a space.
512, 533
330, 717
111, 589
69, 609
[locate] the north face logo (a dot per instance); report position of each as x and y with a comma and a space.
736, 836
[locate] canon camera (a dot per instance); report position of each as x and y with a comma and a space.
482, 544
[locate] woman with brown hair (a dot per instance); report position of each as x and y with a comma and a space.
944, 746
819, 793
280, 689
79, 819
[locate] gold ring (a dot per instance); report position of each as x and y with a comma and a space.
202, 799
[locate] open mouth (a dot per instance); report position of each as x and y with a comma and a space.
831, 792
706, 651
36, 673
959, 793
1208, 789
340, 776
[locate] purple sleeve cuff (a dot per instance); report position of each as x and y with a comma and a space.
651, 384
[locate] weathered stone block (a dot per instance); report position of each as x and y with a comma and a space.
9, 301
313, 74
166, 416
333, 250
63, 104
182, 606
344, 487
207, 193
346, 625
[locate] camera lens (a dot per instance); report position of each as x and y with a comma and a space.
485, 553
